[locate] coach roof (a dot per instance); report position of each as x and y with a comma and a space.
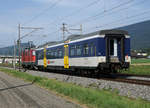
76, 37
101, 32
114, 31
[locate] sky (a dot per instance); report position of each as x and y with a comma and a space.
50, 14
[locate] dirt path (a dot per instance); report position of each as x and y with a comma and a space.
139, 64
15, 93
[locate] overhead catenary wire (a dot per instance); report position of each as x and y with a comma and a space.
82, 8
129, 17
92, 3
122, 9
72, 14
87, 6
52, 5
91, 18
118, 20
75, 12
101, 13
122, 19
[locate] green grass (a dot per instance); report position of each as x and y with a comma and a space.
138, 67
136, 61
138, 70
6, 64
93, 98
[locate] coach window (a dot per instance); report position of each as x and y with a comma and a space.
40, 56
72, 51
86, 49
52, 54
92, 49
48, 55
55, 54
79, 50
60, 53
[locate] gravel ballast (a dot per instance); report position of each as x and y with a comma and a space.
16, 93
123, 89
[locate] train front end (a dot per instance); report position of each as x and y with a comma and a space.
28, 58
117, 50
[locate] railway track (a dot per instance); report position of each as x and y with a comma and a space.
115, 77
131, 81
132, 75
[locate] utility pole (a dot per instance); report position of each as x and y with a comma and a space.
64, 29
80, 29
21, 37
14, 61
19, 44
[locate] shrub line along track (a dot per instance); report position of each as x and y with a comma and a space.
115, 77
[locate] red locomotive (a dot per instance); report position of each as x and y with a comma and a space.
28, 58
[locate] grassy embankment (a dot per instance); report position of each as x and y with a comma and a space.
6, 64
138, 70
93, 98
139, 67
140, 61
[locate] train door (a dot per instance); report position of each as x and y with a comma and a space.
45, 59
66, 58
115, 49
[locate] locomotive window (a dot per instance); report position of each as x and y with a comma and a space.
72, 51
26, 53
79, 50
33, 53
29, 53
86, 49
